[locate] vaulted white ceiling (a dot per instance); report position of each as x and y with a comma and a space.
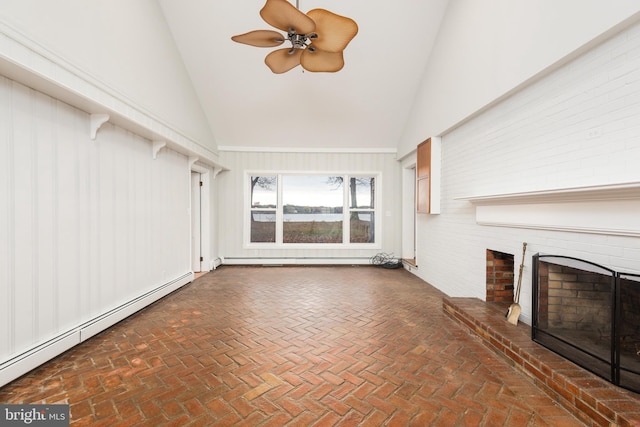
365, 105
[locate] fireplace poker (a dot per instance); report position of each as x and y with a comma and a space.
514, 309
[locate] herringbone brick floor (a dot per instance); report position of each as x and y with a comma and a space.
294, 346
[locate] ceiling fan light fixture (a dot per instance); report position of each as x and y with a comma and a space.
318, 38
298, 41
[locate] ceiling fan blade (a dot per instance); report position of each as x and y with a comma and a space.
321, 61
334, 31
282, 60
260, 38
284, 16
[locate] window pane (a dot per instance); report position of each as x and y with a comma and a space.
312, 228
264, 191
263, 226
362, 227
361, 192
312, 208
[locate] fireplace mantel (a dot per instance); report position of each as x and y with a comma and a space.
604, 209
624, 191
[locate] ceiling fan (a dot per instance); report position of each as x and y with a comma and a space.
317, 38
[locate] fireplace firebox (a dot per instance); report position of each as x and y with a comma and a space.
590, 315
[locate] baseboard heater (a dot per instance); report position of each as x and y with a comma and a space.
295, 261
41, 353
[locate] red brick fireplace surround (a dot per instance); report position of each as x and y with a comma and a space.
589, 397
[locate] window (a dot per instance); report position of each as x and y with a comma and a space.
312, 209
263, 208
361, 209
296, 209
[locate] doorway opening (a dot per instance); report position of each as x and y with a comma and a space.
200, 219
409, 215
196, 222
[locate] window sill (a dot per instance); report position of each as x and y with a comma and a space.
316, 246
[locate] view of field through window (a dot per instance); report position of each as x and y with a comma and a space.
312, 209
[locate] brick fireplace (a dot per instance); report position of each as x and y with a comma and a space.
575, 314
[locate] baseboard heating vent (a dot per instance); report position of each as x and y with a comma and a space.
111, 317
45, 351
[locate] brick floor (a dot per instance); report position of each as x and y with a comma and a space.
298, 346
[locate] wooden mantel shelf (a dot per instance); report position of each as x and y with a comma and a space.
622, 191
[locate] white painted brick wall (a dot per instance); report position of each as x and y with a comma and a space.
578, 126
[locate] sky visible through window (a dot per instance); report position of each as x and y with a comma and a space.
311, 191
307, 190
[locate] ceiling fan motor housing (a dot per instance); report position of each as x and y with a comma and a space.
298, 41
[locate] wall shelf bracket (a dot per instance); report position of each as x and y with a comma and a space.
156, 146
192, 161
97, 120
216, 171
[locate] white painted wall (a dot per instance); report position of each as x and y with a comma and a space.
123, 47
231, 201
86, 226
486, 49
575, 127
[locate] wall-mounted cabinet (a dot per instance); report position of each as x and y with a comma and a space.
428, 176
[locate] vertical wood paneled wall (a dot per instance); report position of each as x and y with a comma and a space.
85, 225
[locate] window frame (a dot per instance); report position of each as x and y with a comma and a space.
373, 210
253, 209
346, 211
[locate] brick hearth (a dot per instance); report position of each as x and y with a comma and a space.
590, 398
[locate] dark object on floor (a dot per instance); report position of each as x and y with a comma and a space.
386, 260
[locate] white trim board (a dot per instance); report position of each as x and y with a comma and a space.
295, 261
256, 149
41, 353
